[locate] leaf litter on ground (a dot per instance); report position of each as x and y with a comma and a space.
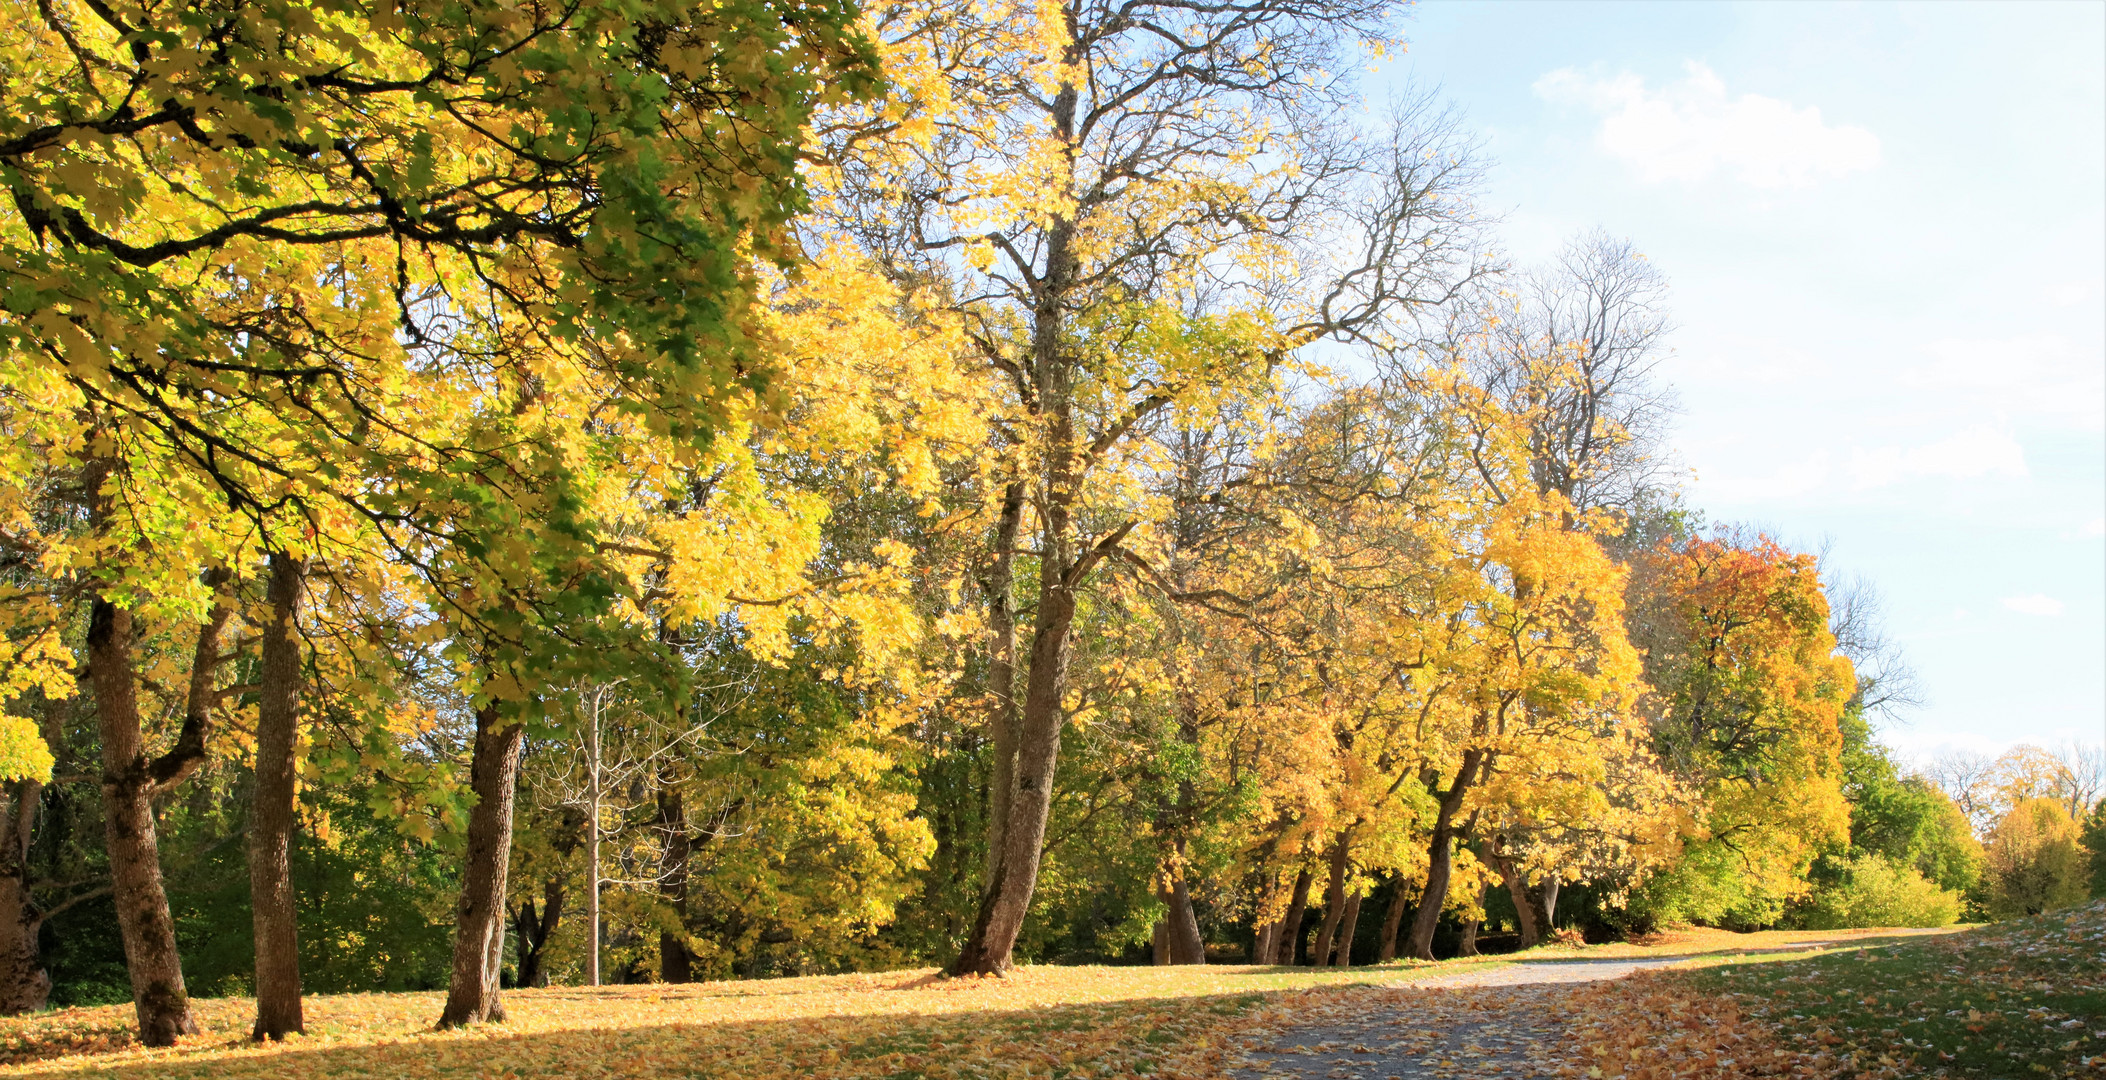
1744, 1015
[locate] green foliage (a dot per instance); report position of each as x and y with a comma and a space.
1870, 889
1907, 820
2095, 843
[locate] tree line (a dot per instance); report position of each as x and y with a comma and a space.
607, 492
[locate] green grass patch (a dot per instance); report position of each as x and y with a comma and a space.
2011, 1000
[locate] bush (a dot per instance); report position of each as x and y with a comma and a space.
2035, 862
1873, 890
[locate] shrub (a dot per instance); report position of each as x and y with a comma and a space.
1873, 890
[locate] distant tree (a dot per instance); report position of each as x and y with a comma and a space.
2035, 862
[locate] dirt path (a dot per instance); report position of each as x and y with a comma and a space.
1489, 1022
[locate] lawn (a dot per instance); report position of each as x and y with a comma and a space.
1819, 1006
2007, 1001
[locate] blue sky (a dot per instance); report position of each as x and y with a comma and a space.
1885, 226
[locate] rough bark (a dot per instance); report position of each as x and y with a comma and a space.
1392, 921
1181, 926
675, 962
1441, 852
1517, 889
535, 927
1290, 937
1334, 904
1347, 929
1159, 944
273, 914
129, 782
479, 916
1001, 672
24, 985
1013, 877
1007, 896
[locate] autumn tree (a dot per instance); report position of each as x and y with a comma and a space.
1104, 191
1747, 698
226, 274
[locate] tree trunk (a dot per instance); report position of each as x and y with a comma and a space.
592, 843
479, 917
1181, 925
129, 782
1007, 896
1001, 673
273, 913
675, 962
1334, 902
1261, 947
1469, 930
24, 985
535, 928
1524, 909
1290, 938
1392, 921
1543, 906
1440, 862
1159, 943
143, 920
1348, 929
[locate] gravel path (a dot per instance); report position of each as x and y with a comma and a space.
1496, 1022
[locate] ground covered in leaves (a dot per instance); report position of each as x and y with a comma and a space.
1765, 1005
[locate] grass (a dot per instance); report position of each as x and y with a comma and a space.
1123, 1022
2016, 999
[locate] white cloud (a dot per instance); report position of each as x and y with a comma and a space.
2043, 374
1692, 129
2095, 527
2035, 604
1963, 455
2072, 293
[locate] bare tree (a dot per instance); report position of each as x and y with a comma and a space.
1886, 685
1578, 348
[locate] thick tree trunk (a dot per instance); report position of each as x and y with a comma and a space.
1004, 723
1334, 902
130, 780
1517, 889
1441, 856
1181, 925
1347, 929
1159, 943
675, 962
1007, 896
274, 917
1392, 921
143, 920
535, 928
1543, 906
479, 917
24, 985
1290, 938
1262, 943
